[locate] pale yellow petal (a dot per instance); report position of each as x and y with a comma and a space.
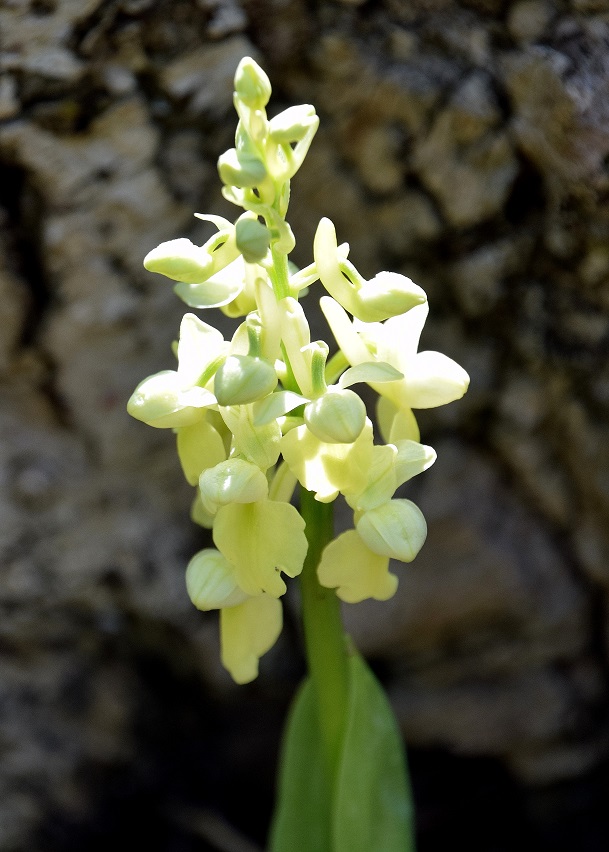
199, 514
325, 252
381, 480
404, 427
199, 345
259, 444
356, 573
399, 340
282, 484
324, 468
199, 447
164, 402
412, 458
433, 379
247, 632
353, 347
261, 540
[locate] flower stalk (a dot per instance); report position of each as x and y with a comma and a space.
325, 642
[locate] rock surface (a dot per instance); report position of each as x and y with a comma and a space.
464, 144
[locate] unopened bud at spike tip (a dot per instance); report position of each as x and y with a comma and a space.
252, 85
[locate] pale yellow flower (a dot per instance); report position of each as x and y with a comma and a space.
249, 626
175, 398
429, 379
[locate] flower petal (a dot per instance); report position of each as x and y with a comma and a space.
325, 252
356, 572
282, 484
217, 290
381, 480
247, 632
199, 514
276, 405
259, 444
388, 294
372, 371
200, 344
199, 447
162, 401
404, 427
353, 347
412, 458
327, 468
261, 540
433, 379
395, 425
399, 340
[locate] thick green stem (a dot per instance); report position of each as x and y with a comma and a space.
324, 637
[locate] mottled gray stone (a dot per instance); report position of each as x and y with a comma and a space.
559, 97
462, 144
204, 78
467, 164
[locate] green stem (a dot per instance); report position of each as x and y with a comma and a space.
324, 637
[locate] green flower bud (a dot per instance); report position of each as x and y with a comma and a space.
241, 169
396, 529
337, 417
253, 239
232, 481
293, 124
211, 581
180, 260
242, 379
386, 295
252, 86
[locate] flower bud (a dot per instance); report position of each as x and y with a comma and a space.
337, 417
252, 86
242, 379
179, 260
396, 529
293, 124
162, 401
211, 582
240, 168
232, 481
386, 295
253, 239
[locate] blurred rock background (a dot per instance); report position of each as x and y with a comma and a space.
462, 142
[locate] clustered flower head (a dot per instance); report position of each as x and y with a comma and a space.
259, 413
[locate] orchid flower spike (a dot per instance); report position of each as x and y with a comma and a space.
270, 409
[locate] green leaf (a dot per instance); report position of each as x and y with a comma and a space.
373, 805
302, 817
370, 371
370, 807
